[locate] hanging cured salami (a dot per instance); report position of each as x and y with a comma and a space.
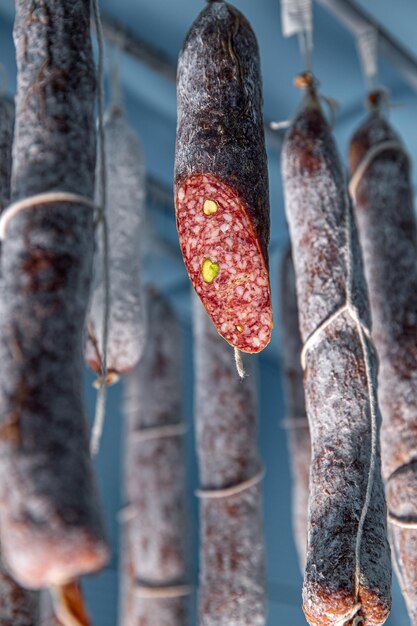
153, 590
125, 176
50, 521
382, 194
221, 179
232, 575
18, 606
347, 574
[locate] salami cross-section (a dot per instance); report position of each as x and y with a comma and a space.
221, 180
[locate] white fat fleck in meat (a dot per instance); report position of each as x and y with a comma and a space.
181, 194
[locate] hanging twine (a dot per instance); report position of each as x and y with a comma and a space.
116, 101
367, 45
239, 364
297, 19
102, 194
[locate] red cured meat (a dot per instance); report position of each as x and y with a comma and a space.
221, 180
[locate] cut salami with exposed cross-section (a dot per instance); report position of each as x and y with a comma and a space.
221, 179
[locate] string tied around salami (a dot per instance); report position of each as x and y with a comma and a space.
407, 521
169, 591
347, 307
158, 432
234, 490
39, 200
370, 156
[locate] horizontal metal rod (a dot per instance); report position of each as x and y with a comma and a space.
119, 35
357, 20
144, 52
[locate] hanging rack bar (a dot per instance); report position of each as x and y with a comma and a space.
116, 33
356, 20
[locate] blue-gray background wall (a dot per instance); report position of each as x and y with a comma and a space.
150, 103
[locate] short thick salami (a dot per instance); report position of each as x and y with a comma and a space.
348, 574
382, 192
125, 175
232, 575
50, 521
296, 423
221, 179
153, 523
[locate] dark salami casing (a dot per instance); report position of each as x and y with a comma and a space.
383, 201
18, 606
232, 568
299, 442
348, 572
221, 179
50, 519
153, 523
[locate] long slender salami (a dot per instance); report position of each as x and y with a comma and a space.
154, 570
299, 442
125, 197
348, 576
221, 178
232, 576
50, 522
18, 606
383, 198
